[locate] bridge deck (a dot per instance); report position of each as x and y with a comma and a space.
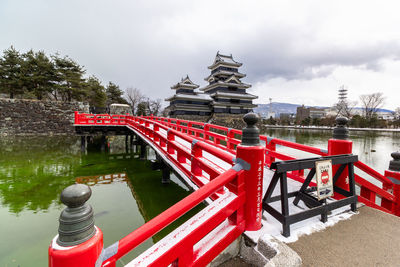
370, 238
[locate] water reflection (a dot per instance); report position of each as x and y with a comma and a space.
102, 179
33, 172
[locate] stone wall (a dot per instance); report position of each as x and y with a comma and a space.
192, 118
29, 117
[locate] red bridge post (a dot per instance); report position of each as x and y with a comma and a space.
339, 145
394, 175
79, 242
250, 154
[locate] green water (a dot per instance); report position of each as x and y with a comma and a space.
33, 172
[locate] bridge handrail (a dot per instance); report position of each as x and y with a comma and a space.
207, 127
368, 191
367, 169
301, 147
223, 155
135, 238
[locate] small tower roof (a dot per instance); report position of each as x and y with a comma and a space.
185, 83
224, 60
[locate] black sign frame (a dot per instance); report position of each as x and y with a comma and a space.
317, 207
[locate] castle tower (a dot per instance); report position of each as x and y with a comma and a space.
225, 87
186, 101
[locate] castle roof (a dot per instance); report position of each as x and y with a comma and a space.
226, 73
185, 83
224, 60
233, 95
198, 96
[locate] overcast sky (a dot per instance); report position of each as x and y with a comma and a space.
292, 51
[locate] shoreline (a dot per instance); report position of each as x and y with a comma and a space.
297, 127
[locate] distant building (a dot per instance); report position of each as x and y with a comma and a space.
271, 114
225, 87
312, 112
120, 109
385, 115
186, 101
317, 113
287, 117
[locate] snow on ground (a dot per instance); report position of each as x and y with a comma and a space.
273, 228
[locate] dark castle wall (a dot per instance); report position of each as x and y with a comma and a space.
19, 116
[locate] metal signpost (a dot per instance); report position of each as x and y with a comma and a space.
324, 177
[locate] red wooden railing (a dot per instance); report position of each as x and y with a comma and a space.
379, 196
215, 179
205, 153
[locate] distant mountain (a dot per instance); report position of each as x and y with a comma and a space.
278, 108
379, 110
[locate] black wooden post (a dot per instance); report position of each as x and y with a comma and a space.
143, 150
131, 143
103, 143
166, 174
83, 143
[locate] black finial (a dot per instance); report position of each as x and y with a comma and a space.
394, 165
76, 221
250, 134
341, 131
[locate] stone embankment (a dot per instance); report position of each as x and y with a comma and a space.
33, 117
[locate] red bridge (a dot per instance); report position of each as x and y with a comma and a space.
226, 167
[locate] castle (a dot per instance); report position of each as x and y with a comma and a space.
225, 93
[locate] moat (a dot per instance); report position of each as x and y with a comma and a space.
126, 192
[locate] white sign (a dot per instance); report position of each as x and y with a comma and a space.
323, 170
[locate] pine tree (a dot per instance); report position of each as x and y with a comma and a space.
96, 94
114, 94
40, 75
11, 72
70, 81
142, 108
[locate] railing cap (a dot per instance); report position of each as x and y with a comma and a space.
76, 221
394, 165
250, 119
75, 195
341, 131
396, 155
341, 121
250, 133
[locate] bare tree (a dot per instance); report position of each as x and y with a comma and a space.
345, 108
371, 103
134, 97
155, 106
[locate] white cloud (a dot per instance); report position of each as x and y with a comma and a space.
291, 50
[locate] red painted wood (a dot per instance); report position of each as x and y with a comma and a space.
222, 142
